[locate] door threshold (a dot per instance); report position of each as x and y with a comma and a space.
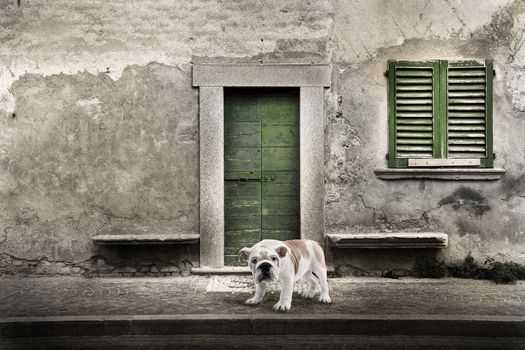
226, 270
238, 270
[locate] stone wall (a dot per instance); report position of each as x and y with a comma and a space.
99, 123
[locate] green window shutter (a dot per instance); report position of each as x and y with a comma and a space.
413, 111
469, 111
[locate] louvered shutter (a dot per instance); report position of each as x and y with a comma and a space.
469, 111
413, 108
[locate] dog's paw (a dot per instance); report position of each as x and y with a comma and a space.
308, 294
325, 299
281, 306
252, 301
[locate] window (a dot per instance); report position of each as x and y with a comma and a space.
440, 113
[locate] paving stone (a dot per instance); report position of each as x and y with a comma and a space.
61, 296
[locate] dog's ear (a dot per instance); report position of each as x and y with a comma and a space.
281, 251
244, 253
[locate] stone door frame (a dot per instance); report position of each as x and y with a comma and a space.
211, 79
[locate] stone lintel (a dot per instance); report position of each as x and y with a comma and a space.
259, 75
389, 240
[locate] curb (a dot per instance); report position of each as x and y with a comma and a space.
274, 324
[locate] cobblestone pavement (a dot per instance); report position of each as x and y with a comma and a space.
264, 342
68, 296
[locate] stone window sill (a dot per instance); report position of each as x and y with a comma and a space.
478, 174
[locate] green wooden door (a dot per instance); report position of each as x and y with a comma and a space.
261, 167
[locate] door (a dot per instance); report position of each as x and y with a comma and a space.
261, 167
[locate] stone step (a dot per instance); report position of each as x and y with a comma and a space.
226, 270
235, 270
263, 324
315, 341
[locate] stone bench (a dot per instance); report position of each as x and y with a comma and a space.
130, 233
380, 240
142, 239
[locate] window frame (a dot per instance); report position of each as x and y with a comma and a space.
440, 113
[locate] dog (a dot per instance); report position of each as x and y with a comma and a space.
286, 261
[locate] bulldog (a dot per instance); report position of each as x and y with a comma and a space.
271, 261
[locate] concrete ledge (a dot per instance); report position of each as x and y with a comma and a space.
226, 270
139, 239
265, 324
389, 240
479, 174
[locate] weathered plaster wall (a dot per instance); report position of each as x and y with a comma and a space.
99, 123
484, 219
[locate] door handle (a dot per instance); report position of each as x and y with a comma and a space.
242, 177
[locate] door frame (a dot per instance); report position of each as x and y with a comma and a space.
211, 79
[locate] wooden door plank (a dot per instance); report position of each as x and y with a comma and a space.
279, 205
280, 136
242, 159
237, 176
248, 189
242, 128
233, 247
242, 207
276, 189
243, 141
279, 110
280, 222
242, 134
282, 235
280, 159
280, 177
240, 223
244, 235
241, 108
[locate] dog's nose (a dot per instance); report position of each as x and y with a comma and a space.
265, 267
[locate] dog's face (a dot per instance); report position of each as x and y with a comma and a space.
264, 262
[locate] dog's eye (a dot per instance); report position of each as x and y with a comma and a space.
254, 261
274, 258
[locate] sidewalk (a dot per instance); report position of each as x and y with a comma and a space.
71, 306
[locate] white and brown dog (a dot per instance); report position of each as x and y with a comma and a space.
271, 260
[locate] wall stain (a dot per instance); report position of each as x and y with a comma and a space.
500, 31
467, 198
513, 186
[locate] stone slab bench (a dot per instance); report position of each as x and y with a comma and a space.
378, 240
141, 239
